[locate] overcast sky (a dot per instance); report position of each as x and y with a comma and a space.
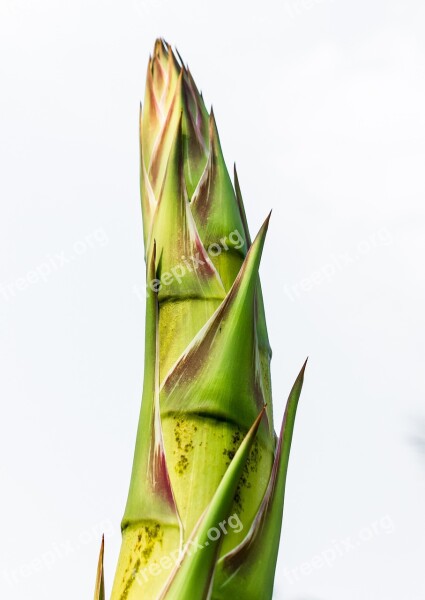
321, 104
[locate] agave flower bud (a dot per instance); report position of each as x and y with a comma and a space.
206, 449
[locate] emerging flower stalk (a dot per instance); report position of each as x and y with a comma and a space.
204, 509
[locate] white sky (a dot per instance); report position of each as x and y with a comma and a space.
321, 104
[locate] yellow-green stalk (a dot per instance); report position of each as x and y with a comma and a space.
205, 503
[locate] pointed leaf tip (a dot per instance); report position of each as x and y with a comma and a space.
254, 560
150, 497
268, 217
99, 592
228, 338
180, 57
176, 233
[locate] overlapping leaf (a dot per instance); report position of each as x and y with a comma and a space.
218, 374
150, 495
193, 575
251, 565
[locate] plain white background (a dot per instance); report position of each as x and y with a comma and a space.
321, 104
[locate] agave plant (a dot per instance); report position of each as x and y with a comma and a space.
204, 509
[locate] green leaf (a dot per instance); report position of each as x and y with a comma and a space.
217, 214
219, 373
151, 523
147, 195
150, 496
151, 121
193, 574
251, 565
183, 265
195, 147
99, 592
241, 206
264, 349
